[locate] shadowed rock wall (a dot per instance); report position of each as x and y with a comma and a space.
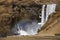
10, 12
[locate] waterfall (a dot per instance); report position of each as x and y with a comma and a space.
50, 9
26, 28
42, 19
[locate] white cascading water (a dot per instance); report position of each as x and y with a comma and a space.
28, 29
31, 29
21, 32
50, 9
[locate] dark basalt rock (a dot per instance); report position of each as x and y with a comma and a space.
11, 12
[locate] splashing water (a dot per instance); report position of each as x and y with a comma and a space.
21, 32
27, 28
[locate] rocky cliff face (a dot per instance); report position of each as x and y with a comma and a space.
51, 27
10, 12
